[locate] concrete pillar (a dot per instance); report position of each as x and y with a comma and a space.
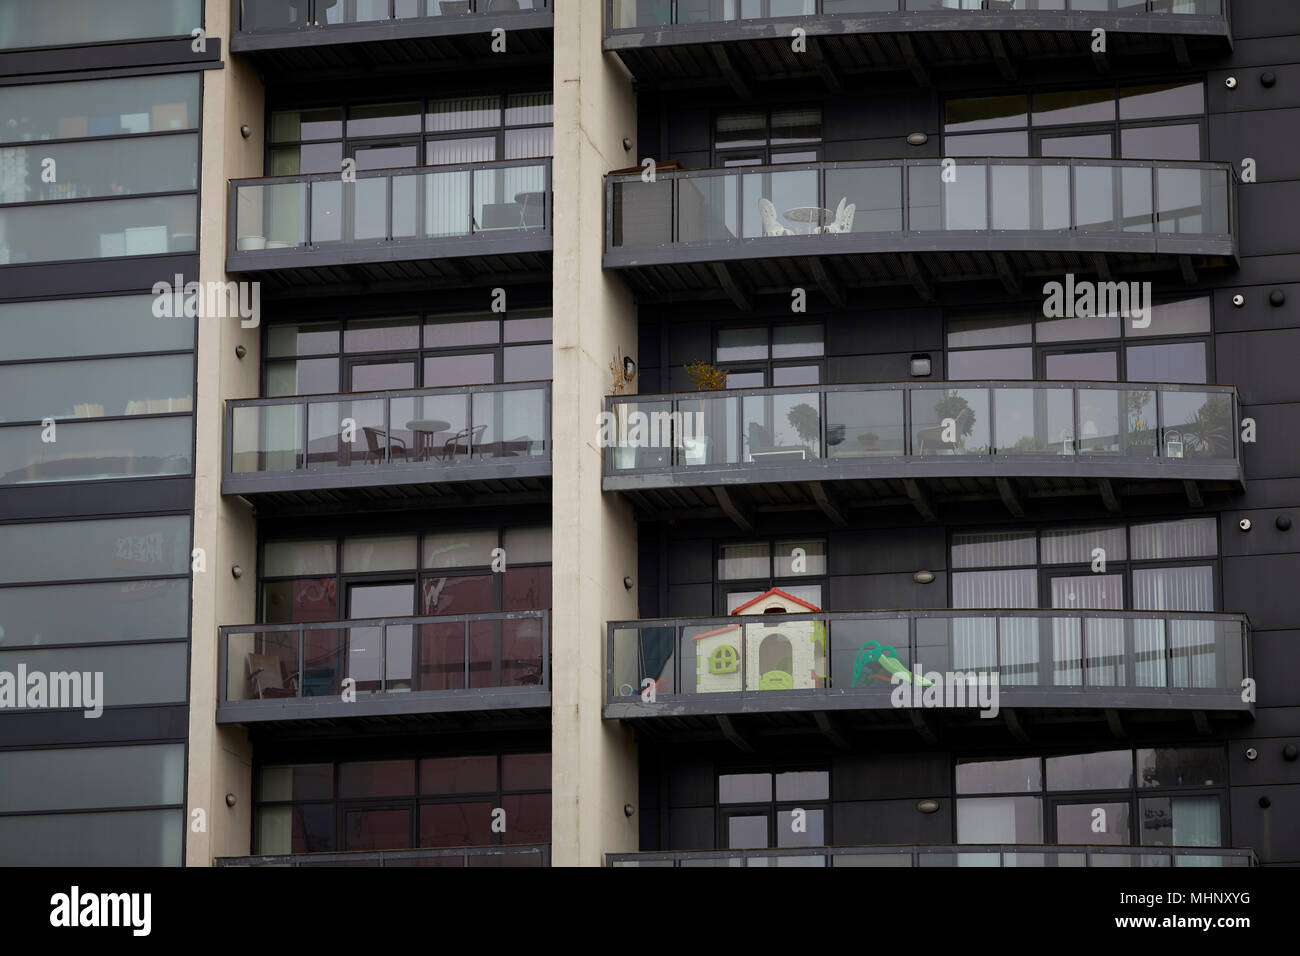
220, 758
594, 761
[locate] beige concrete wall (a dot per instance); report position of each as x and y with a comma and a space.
220, 759
594, 761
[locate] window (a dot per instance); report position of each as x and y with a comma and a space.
443, 801
42, 785
748, 570
1156, 566
767, 137
117, 414
758, 356
420, 351
1128, 122
79, 22
1100, 798
766, 808
431, 573
1174, 347
143, 180
418, 132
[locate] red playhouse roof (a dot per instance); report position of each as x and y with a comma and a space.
750, 603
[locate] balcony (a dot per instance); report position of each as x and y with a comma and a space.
757, 230
439, 668
834, 447
856, 673
766, 229
440, 223
493, 856
444, 446
968, 854
671, 44
290, 36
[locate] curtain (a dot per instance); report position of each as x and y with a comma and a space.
993, 550
1190, 538
995, 589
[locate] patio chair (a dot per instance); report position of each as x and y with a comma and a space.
267, 678
843, 217
375, 438
771, 226
933, 437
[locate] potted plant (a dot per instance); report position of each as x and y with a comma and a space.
704, 378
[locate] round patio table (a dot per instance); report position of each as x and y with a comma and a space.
424, 429
810, 215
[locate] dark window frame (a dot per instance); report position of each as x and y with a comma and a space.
724, 586
774, 807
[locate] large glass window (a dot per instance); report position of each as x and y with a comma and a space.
782, 808
1095, 799
424, 351
404, 803
79, 22
757, 356
764, 137
1149, 566
39, 784
749, 569
436, 572
1173, 347
422, 132
127, 145
1129, 122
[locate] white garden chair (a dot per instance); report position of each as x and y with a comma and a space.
771, 226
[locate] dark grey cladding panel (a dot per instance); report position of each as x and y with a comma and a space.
690, 783
1264, 18
894, 113
690, 829
690, 600
886, 367
870, 592
867, 776
648, 603
1270, 831
1264, 587
1274, 453
1277, 669
890, 822
1281, 723
690, 129
690, 561
1268, 227
688, 342
1263, 365
898, 330
886, 550
1257, 312
97, 498
1264, 536
1266, 136
115, 725
1274, 493
1263, 51
1250, 93
1270, 766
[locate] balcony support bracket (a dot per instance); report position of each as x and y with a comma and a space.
1186, 266
829, 502
1193, 492
917, 278
1102, 266
829, 77
729, 71
999, 50
913, 61
1108, 496
1180, 51
1202, 721
729, 731
830, 288
1100, 62
1009, 497
1005, 275
920, 499
1116, 723
923, 725
732, 286
830, 729
739, 515
1017, 729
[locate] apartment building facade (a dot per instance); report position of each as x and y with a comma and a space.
947, 340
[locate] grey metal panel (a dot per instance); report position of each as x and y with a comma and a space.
1270, 831
386, 31
1263, 135
1259, 204
1249, 93
385, 475
1270, 767
382, 705
690, 560
687, 599
889, 590
1264, 536
1264, 18
1257, 312
887, 550
868, 776
690, 829
690, 783
890, 821
1277, 669
1273, 454
1264, 586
